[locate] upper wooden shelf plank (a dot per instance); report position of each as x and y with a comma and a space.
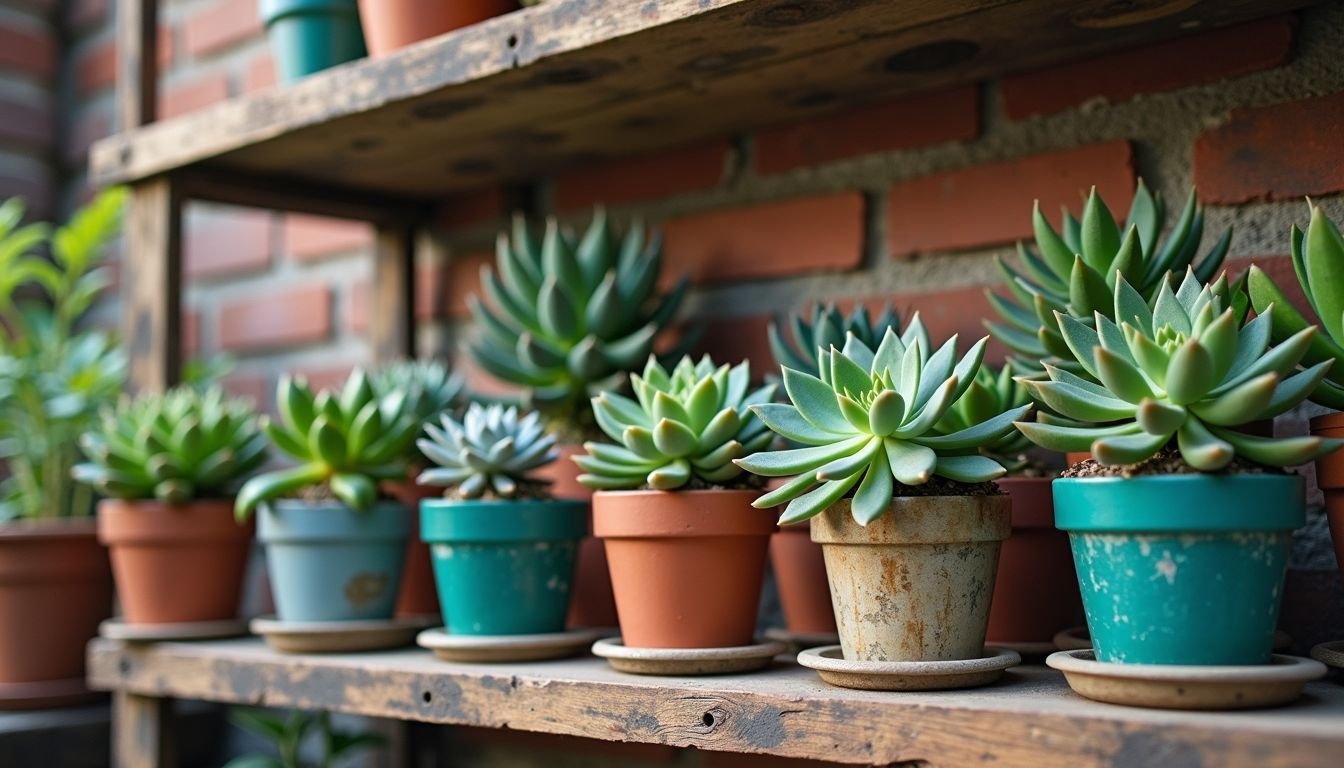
1029, 719
568, 83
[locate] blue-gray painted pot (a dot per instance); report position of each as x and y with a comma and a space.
328, 562
503, 567
1181, 569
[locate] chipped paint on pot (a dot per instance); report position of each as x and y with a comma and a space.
915, 584
1181, 569
503, 567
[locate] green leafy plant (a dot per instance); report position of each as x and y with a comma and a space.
827, 329
1318, 261
1183, 371
566, 320
54, 376
289, 733
491, 451
990, 394
683, 427
181, 445
344, 443
870, 419
430, 389
1074, 270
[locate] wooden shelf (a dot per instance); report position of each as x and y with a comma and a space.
569, 83
1029, 719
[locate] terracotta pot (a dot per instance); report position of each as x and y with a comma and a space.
592, 603
392, 24
1330, 479
1036, 590
55, 588
175, 563
800, 574
687, 566
417, 596
916, 583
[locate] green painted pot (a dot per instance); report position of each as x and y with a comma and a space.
308, 36
503, 567
328, 562
1181, 569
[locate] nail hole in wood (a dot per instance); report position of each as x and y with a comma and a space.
427, 697
708, 719
513, 41
124, 666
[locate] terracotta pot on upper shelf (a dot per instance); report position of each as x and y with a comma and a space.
1330, 479
687, 566
175, 563
55, 588
417, 596
1036, 589
591, 604
393, 24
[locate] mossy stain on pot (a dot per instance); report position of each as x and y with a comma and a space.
364, 588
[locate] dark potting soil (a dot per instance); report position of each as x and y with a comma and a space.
1168, 461
941, 486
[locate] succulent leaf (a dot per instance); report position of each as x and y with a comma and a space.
491, 450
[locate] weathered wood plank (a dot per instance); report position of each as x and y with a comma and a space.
1030, 719
142, 735
137, 62
151, 279
565, 83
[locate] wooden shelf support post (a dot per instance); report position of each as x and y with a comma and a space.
142, 731
152, 284
392, 310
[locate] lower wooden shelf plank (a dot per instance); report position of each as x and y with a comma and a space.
1031, 718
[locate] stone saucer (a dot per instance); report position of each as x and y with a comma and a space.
687, 661
1174, 686
495, 648
908, 675
799, 641
338, 636
119, 629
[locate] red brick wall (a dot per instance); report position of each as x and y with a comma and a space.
902, 202
29, 78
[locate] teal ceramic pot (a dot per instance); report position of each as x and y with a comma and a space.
328, 562
503, 567
308, 36
1181, 569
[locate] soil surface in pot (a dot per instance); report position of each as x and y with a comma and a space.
1168, 461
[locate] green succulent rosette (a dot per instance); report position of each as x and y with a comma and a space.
683, 426
345, 443
174, 447
869, 421
1181, 372
1318, 261
491, 451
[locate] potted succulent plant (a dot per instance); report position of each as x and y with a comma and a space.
504, 550
55, 583
796, 560
907, 517
1036, 590
167, 466
1074, 269
1318, 261
686, 550
393, 24
334, 548
309, 36
564, 321
430, 389
1179, 498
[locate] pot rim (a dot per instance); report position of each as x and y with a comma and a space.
331, 521
988, 519
23, 529
1329, 421
1177, 503
680, 514
273, 10
502, 520
149, 521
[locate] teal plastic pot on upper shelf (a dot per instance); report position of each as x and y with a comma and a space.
328, 562
1181, 569
503, 567
308, 36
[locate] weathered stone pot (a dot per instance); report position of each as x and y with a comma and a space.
1036, 590
55, 588
687, 566
915, 584
1330, 479
328, 562
175, 563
